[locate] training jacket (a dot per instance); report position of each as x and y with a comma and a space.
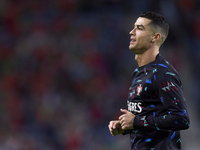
156, 99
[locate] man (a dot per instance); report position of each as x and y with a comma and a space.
156, 105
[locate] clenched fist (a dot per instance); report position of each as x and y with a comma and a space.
115, 128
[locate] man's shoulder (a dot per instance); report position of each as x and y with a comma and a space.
166, 72
164, 66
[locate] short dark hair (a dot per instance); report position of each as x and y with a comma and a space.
158, 22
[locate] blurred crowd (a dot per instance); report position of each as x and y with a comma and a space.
65, 69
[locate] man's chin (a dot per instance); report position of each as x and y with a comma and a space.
135, 51
131, 48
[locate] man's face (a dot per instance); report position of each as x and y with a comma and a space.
141, 36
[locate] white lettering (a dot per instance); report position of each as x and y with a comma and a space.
136, 107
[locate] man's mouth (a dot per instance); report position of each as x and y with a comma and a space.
132, 40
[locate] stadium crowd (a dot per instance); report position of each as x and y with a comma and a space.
65, 69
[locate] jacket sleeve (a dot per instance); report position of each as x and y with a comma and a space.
169, 90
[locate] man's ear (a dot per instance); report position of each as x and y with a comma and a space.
156, 37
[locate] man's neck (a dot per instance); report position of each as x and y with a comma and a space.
147, 57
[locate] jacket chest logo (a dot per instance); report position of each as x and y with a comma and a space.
133, 91
139, 89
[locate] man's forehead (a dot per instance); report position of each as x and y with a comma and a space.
142, 21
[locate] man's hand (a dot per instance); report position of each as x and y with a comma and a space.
115, 128
127, 119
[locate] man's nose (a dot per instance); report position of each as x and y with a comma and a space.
132, 32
